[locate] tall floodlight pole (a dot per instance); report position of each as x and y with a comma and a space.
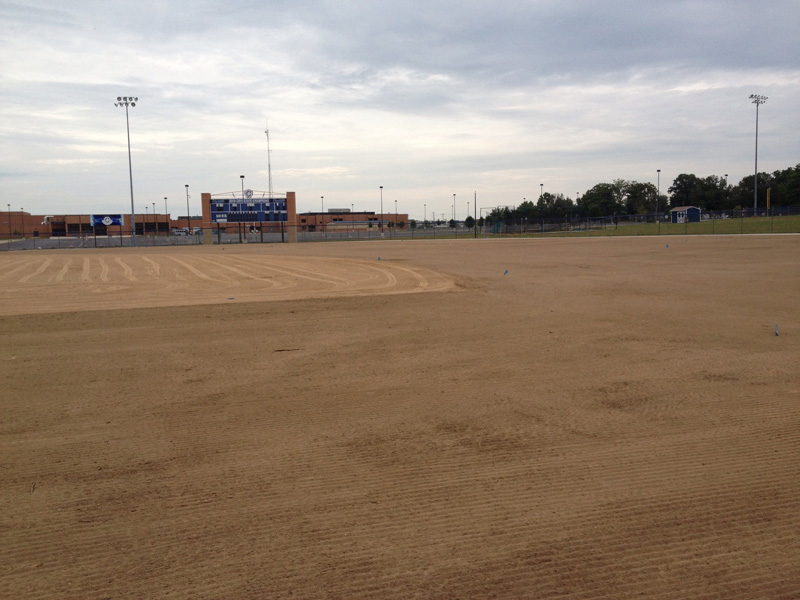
9, 227
242, 178
155, 223
129, 101
269, 161
322, 214
658, 189
454, 208
381, 210
758, 101
188, 215
541, 190
166, 211
424, 219
22, 218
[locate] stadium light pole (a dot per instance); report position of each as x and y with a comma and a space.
9, 226
541, 190
658, 189
758, 101
322, 214
144, 225
188, 215
454, 208
155, 223
381, 210
129, 101
166, 212
22, 218
395, 214
242, 178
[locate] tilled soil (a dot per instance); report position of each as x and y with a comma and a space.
434, 419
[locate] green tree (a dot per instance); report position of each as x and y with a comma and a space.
681, 190
552, 206
640, 198
527, 210
469, 222
602, 200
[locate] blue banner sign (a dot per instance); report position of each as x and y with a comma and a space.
107, 220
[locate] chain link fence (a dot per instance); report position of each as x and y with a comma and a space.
782, 219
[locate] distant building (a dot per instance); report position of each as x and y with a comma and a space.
346, 220
685, 214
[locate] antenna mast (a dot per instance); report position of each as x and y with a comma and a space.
269, 161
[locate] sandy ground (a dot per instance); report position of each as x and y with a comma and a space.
611, 418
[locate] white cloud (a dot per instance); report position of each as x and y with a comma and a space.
421, 98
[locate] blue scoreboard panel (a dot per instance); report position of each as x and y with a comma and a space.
248, 209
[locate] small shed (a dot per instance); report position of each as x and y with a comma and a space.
685, 214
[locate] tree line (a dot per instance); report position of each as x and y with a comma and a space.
622, 197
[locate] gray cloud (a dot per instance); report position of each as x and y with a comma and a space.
420, 97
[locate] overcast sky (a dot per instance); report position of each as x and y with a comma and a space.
427, 98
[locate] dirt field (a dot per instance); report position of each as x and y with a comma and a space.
611, 418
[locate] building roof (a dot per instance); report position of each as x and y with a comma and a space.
683, 208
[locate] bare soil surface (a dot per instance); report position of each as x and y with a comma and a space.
599, 418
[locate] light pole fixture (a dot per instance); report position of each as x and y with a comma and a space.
322, 214
188, 215
658, 188
242, 178
22, 218
758, 101
424, 214
454, 209
144, 225
131, 101
166, 211
381, 209
395, 213
9, 226
155, 223
726, 180
541, 190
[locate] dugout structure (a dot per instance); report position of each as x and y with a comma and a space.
232, 211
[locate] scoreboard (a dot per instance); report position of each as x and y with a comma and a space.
248, 209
